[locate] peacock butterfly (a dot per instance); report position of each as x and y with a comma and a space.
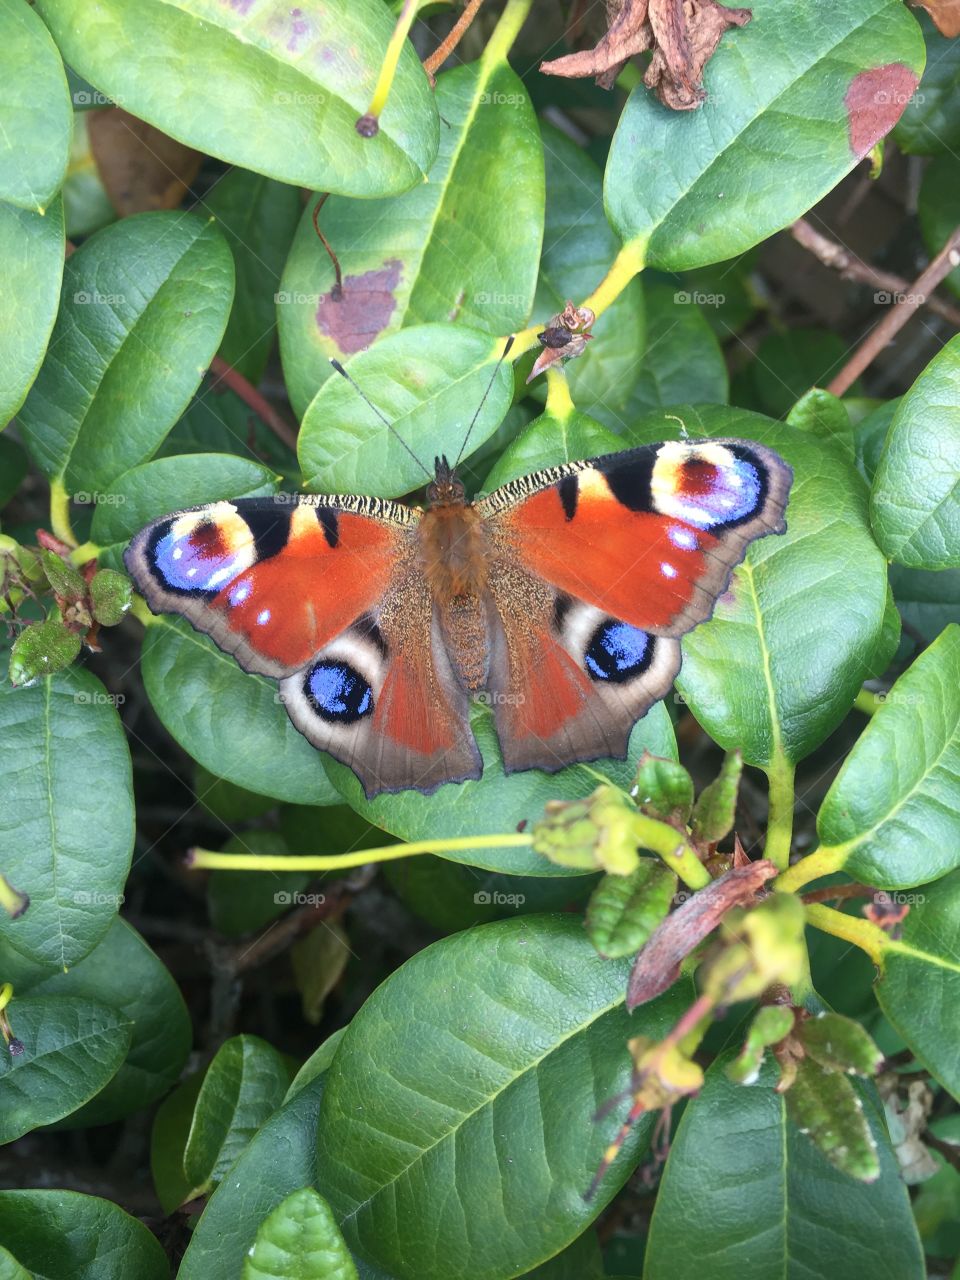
559, 598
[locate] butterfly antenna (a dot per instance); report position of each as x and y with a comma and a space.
386, 422
503, 355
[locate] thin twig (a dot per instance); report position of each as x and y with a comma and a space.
837, 892
894, 320
850, 267
252, 397
435, 61
336, 293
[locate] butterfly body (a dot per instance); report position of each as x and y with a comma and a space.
558, 599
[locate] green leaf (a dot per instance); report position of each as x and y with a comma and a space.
319, 960
280, 1159
31, 249
766, 1205
920, 984
682, 362
787, 367
144, 306
63, 841
428, 382
769, 674
36, 114
300, 1240
554, 437
242, 901
13, 467
578, 248
10, 1268
892, 814
257, 217
624, 910
289, 85
111, 595
77, 1237
930, 123
461, 246
86, 205
168, 1138
663, 788
62, 576
231, 722
840, 1044
915, 500
825, 1106
42, 649
229, 804
481, 1081
795, 93
243, 1086
716, 807
71, 1048
928, 601
769, 1025
824, 415
938, 207
497, 802
155, 488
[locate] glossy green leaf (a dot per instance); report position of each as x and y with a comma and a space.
840, 1044
623, 911
766, 1204
123, 973
10, 1268
663, 788
257, 217
35, 115
300, 1240
800, 93
229, 721
230, 805
920, 984
930, 123
156, 488
111, 595
826, 1108
893, 812
682, 362
938, 207
778, 666
31, 249
770, 1024
168, 1139
280, 1159
578, 248
915, 499
499, 803
716, 807
461, 246
490, 1048
63, 841
824, 415
144, 306
289, 84
71, 1048
428, 382
69, 1236
243, 1086
554, 437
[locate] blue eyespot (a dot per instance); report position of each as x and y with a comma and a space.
735, 493
193, 562
338, 692
618, 652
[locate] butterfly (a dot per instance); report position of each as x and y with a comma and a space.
559, 599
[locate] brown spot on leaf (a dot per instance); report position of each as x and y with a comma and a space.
875, 102
363, 310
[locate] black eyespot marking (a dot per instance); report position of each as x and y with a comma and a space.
368, 629
330, 526
569, 490
561, 607
338, 692
618, 652
629, 482
270, 529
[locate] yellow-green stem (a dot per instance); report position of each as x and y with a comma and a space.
206, 859
822, 862
388, 68
506, 31
559, 400
6, 995
86, 551
676, 852
138, 607
868, 702
780, 814
862, 933
60, 513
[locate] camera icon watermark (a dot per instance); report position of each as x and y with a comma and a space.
87, 297
486, 898
86, 498
687, 298
293, 297
99, 698
892, 297
493, 698
94, 898
293, 898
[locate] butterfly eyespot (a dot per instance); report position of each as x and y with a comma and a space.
618, 652
199, 552
707, 485
338, 692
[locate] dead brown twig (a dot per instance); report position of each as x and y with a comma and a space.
435, 61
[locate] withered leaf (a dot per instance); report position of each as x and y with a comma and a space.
945, 15
140, 166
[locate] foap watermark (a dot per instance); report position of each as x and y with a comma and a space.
299, 99
93, 298
493, 698
487, 898
94, 98
683, 298
897, 898
484, 299
889, 97
293, 898
293, 298
99, 698
94, 898
891, 297
88, 498
502, 99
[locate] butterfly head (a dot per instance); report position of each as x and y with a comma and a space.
446, 489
